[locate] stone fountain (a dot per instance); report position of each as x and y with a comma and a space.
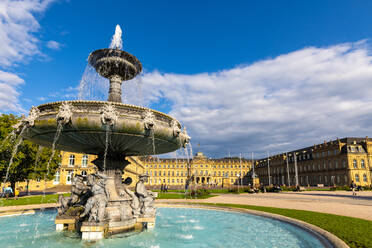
102, 204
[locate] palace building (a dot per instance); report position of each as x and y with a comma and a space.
334, 163
205, 171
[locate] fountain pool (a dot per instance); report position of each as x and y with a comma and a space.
176, 227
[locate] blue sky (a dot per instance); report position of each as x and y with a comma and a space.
242, 75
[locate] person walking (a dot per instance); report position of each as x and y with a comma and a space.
353, 187
165, 188
162, 188
16, 193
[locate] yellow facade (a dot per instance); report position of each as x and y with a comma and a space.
75, 163
206, 171
335, 163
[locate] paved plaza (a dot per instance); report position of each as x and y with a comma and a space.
339, 202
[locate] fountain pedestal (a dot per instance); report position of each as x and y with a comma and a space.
63, 223
94, 231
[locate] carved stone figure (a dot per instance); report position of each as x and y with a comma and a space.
149, 120
79, 195
96, 204
176, 128
135, 201
146, 197
65, 113
109, 115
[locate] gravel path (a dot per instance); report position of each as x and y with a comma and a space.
339, 202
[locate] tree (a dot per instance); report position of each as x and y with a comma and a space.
24, 166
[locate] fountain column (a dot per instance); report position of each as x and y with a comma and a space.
115, 89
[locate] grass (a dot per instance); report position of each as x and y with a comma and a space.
180, 196
39, 199
357, 233
29, 200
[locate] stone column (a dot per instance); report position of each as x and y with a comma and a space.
115, 89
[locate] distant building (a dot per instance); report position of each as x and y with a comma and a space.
76, 163
206, 171
337, 162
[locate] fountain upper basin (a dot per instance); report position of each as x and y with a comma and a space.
110, 62
132, 128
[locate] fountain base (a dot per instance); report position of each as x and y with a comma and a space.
94, 231
102, 204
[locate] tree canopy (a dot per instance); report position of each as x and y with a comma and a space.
30, 161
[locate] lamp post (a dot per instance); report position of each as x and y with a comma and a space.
268, 167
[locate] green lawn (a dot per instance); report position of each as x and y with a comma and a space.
29, 200
180, 196
357, 233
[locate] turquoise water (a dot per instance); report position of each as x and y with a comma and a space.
175, 227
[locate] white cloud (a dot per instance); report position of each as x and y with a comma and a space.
18, 43
288, 102
53, 45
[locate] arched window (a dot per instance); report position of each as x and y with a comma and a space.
84, 161
355, 164
356, 177
71, 161
365, 177
84, 173
362, 164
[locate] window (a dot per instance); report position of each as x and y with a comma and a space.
84, 161
336, 164
362, 164
335, 152
56, 177
356, 177
69, 177
343, 163
71, 161
181, 180
355, 165
84, 173
364, 177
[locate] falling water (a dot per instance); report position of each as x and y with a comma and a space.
116, 42
106, 146
14, 152
190, 149
40, 148
153, 142
12, 135
92, 85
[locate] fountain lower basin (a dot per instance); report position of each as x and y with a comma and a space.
175, 226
